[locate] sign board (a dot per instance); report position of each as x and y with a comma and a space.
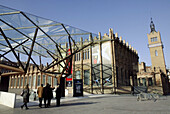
77, 87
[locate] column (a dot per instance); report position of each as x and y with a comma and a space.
91, 76
81, 43
101, 64
113, 60
73, 60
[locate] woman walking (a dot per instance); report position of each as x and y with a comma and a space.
25, 95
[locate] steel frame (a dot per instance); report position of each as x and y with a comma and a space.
67, 64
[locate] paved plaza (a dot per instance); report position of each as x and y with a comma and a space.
97, 104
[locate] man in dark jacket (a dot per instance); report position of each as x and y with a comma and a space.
45, 94
50, 95
58, 95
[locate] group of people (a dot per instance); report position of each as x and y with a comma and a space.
45, 93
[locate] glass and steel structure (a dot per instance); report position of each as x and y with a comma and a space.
26, 37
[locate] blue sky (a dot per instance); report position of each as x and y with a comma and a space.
129, 18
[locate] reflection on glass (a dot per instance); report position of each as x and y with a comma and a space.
39, 79
55, 81
86, 77
25, 81
11, 81
18, 81
34, 80
21, 81
15, 82
29, 81
49, 79
77, 75
44, 80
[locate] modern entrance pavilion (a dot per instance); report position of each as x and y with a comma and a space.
37, 51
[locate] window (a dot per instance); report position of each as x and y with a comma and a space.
55, 82
15, 80
34, 80
79, 56
154, 39
44, 79
88, 53
84, 52
21, 81
38, 84
49, 80
156, 53
144, 81
77, 75
25, 83
18, 81
86, 77
29, 81
150, 81
12, 82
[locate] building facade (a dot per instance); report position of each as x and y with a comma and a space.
107, 66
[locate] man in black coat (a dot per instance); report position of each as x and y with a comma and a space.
58, 95
46, 94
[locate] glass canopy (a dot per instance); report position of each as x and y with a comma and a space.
20, 27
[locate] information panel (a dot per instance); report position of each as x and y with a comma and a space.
77, 87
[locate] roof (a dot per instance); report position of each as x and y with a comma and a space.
20, 28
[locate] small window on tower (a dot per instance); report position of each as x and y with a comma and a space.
156, 53
154, 39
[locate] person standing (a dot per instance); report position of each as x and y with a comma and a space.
46, 94
40, 95
50, 94
58, 95
25, 95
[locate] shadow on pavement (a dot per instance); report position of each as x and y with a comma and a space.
78, 103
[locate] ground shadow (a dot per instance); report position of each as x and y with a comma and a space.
78, 103
53, 105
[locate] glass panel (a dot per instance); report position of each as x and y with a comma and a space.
77, 75
34, 80
49, 80
15, 80
150, 81
156, 53
18, 81
11, 82
39, 79
25, 81
29, 81
44, 80
21, 81
55, 82
144, 81
54, 29
96, 65
86, 77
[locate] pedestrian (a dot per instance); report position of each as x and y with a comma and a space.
58, 95
50, 95
45, 94
40, 95
25, 94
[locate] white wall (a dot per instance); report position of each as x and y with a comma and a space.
7, 99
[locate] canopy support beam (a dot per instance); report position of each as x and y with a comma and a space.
11, 48
32, 46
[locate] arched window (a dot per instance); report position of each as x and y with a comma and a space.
156, 53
